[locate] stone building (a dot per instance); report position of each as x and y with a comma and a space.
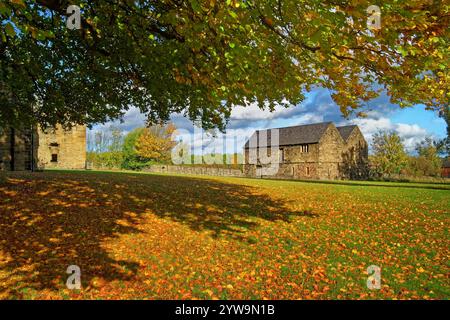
22, 149
446, 168
313, 151
16, 152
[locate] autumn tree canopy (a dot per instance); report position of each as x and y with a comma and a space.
389, 156
202, 57
155, 143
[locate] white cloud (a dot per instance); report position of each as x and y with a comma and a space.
202, 142
411, 134
133, 118
253, 112
317, 107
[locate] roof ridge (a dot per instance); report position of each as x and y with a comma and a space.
346, 131
299, 134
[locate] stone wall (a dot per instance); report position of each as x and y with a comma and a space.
293, 163
445, 172
293, 154
331, 146
210, 171
298, 164
331, 158
354, 164
62, 149
5, 149
67, 147
15, 145
320, 162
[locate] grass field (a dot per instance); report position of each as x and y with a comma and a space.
142, 236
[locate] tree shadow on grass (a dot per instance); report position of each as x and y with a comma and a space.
49, 221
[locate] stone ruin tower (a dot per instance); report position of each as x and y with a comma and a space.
24, 149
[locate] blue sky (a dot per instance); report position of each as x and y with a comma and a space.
424, 118
412, 124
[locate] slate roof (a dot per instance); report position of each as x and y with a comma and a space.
345, 131
303, 134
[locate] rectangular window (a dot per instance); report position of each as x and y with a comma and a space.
54, 157
307, 171
304, 148
281, 155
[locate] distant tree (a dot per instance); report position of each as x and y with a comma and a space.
389, 156
131, 159
155, 143
428, 162
444, 144
116, 139
105, 148
101, 141
113, 157
104, 140
90, 141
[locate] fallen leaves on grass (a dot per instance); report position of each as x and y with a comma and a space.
174, 237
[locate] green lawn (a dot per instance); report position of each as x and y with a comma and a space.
148, 236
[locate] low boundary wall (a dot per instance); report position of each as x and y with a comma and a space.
210, 171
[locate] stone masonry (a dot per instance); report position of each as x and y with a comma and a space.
54, 148
315, 151
62, 149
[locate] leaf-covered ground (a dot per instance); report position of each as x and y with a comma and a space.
141, 236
